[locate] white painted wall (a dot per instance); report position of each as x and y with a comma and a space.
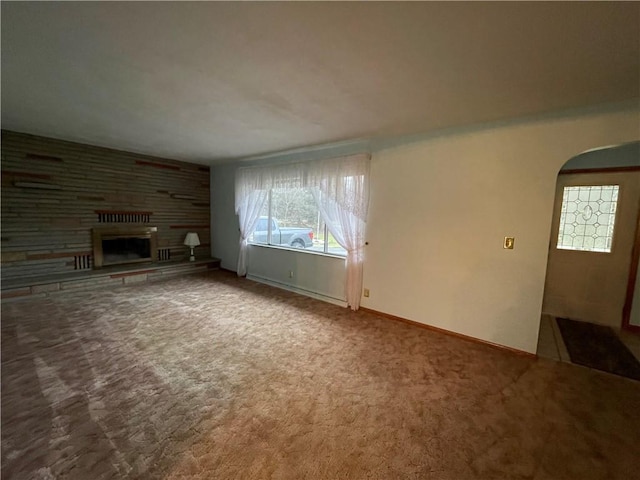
225, 232
315, 275
440, 208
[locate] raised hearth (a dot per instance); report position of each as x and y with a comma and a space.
29, 287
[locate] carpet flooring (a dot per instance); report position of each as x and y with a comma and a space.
597, 346
211, 376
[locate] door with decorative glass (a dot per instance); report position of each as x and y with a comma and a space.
591, 242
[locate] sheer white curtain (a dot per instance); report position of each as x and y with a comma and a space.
348, 230
252, 189
340, 187
250, 198
248, 214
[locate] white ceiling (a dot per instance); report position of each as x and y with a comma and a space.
207, 82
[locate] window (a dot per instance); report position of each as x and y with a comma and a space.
340, 188
295, 221
587, 218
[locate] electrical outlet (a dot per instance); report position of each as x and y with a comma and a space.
290, 273
366, 292
508, 243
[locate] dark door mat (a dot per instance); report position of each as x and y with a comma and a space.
597, 346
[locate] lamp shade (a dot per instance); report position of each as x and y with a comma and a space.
192, 240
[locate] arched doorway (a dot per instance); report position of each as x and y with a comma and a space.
593, 249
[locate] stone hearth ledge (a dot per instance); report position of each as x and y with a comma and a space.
29, 287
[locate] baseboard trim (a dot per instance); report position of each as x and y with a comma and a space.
632, 329
461, 336
228, 270
301, 291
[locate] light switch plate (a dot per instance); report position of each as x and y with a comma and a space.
508, 243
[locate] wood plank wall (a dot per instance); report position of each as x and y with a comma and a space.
53, 193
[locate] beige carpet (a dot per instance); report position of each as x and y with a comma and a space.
217, 377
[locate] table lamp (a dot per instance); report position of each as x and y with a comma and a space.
192, 240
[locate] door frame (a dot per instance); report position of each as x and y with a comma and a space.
634, 258
631, 283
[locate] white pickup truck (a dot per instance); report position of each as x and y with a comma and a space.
285, 236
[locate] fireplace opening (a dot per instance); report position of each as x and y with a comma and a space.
122, 245
125, 249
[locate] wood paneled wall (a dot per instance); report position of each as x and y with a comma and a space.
55, 192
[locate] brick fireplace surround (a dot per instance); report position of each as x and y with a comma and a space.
55, 193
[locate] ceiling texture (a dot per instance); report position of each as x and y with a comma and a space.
207, 82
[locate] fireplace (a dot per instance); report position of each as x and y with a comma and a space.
121, 245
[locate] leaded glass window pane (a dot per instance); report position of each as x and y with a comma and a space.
587, 218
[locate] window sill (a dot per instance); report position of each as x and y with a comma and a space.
584, 251
299, 250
